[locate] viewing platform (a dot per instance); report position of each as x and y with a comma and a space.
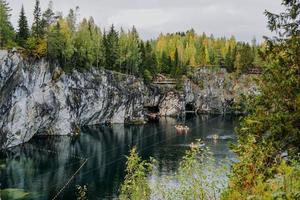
165, 82
254, 71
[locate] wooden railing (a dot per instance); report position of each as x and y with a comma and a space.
165, 82
254, 71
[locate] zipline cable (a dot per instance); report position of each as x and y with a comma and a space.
69, 181
116, 160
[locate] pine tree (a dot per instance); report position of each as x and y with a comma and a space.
6, 28
103, 47
37, 29
48, 18
238, 66
60, 44
176, 58
134, 58
166, 63
23, 31
142, 66
72, 18
176, 71
244, 58
6, 7
204, 56
55, 42
229, 62
111, 45
272, 125
150, 62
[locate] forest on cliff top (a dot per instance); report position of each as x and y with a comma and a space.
70, 43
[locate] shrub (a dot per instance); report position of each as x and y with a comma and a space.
197, 177
135, 186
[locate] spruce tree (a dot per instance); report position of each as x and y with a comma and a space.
23, 31
150, 63
272, 125
6, 6
176, 71
72, 18
134, 58
143, 56
111, 45
229, 63
48, 18
6, 29
37, 29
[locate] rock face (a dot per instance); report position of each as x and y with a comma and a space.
216, 91
171, 104
33, 103
37, 100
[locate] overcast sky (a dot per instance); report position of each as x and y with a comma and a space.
241, 18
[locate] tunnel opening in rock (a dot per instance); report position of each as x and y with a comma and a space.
190, 107
152, 113
152, 109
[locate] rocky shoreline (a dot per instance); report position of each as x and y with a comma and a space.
37, 100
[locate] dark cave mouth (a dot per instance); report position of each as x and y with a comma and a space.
152, 109
190, 107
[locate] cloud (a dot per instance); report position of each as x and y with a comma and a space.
141, 18
241, 18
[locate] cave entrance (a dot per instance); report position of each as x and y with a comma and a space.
190, 108
152, 109
152, 112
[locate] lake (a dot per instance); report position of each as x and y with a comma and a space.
41, 168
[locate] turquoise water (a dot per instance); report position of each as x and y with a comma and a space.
40, 168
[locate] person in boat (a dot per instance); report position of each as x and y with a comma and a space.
215, 136
181, 127
178, 126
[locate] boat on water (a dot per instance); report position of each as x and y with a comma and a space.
215, 136
181, 128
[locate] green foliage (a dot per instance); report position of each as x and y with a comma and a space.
82, 45
244, 58
87, 43
179, 84
135, 186
130, 57
13, 193
111, 48
47, 18
198, 177
272, 125
276, 109
147, 76
253, 166
189, 49
6, 28
251, 177
23, 31
148, 62
36, 48
72, 18
81, 192
37, 26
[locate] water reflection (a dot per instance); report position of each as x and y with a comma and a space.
44, 165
